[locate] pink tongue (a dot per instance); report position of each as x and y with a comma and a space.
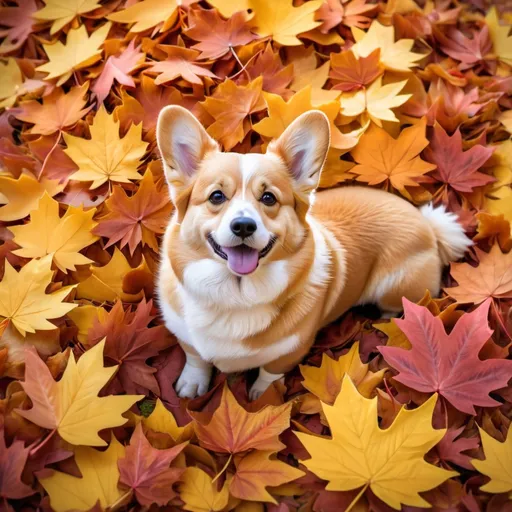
242, 259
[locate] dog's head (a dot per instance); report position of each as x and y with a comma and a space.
243, 210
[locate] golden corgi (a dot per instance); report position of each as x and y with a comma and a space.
254, 262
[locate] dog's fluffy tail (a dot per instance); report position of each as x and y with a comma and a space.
451, 239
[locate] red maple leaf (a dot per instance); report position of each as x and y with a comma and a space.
216, 35
12, 462
448, 363
118, 68
136, 219
19, 20
146, 470
129, 344
456, 167
450, 449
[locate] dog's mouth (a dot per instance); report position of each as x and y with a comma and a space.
241, 259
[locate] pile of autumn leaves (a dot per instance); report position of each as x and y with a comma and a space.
419, 103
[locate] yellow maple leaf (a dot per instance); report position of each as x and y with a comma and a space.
228, 7
100, 475
496, 464
377, 100
361, 454
325, 381
78, 52
12, 79
62, 12
500, 36
396, 56
84, 317
106, 283
282, 113
282, 21
73, 401
148, 14
382, 159
199, 494
22, 195
23, 300
161, 420
63, 238
106, 156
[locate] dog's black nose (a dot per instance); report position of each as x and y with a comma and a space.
243, 226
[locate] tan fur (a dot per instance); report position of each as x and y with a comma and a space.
355, 245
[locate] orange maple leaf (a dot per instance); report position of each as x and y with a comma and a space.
230, 106
232, 429
382, 159
350, 73
136, 219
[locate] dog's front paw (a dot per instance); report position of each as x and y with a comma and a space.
193, 381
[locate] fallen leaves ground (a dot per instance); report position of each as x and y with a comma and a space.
381, 415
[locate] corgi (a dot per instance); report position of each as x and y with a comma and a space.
255, 261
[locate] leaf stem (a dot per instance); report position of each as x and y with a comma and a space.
240, 63
47, 157
217, 476
498, 316
120, 500
356, 499
42, 443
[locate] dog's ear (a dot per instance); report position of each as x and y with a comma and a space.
183, 143
303, 147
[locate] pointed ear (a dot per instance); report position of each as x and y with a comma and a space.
183, 143
303, 147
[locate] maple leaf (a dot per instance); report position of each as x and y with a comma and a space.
57, 111
62, 238
360, 454
18, 18
129, 343
98, 483
494, 228
268, 65
73, 401
146, 470
148, 14
468, 51
456, 167
233, 430
377, 100
199, 493
23, 300
496, 464
230, 106
351, 73
84, 317
136, 219
12, 462
256, 471
22, 195
216, 35
62, 12
325, 381
79, 52
491, 278
106, 156
450, 448
282, 113
282, 21
448, 363
395, 56
106, 283
161, 420
500, 35
381, 158
118, 68
352, 13
180, 63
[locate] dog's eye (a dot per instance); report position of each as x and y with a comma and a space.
217, 197
268, 199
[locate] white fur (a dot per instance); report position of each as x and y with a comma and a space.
451, 239
249, 165
195, 377
263, 382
